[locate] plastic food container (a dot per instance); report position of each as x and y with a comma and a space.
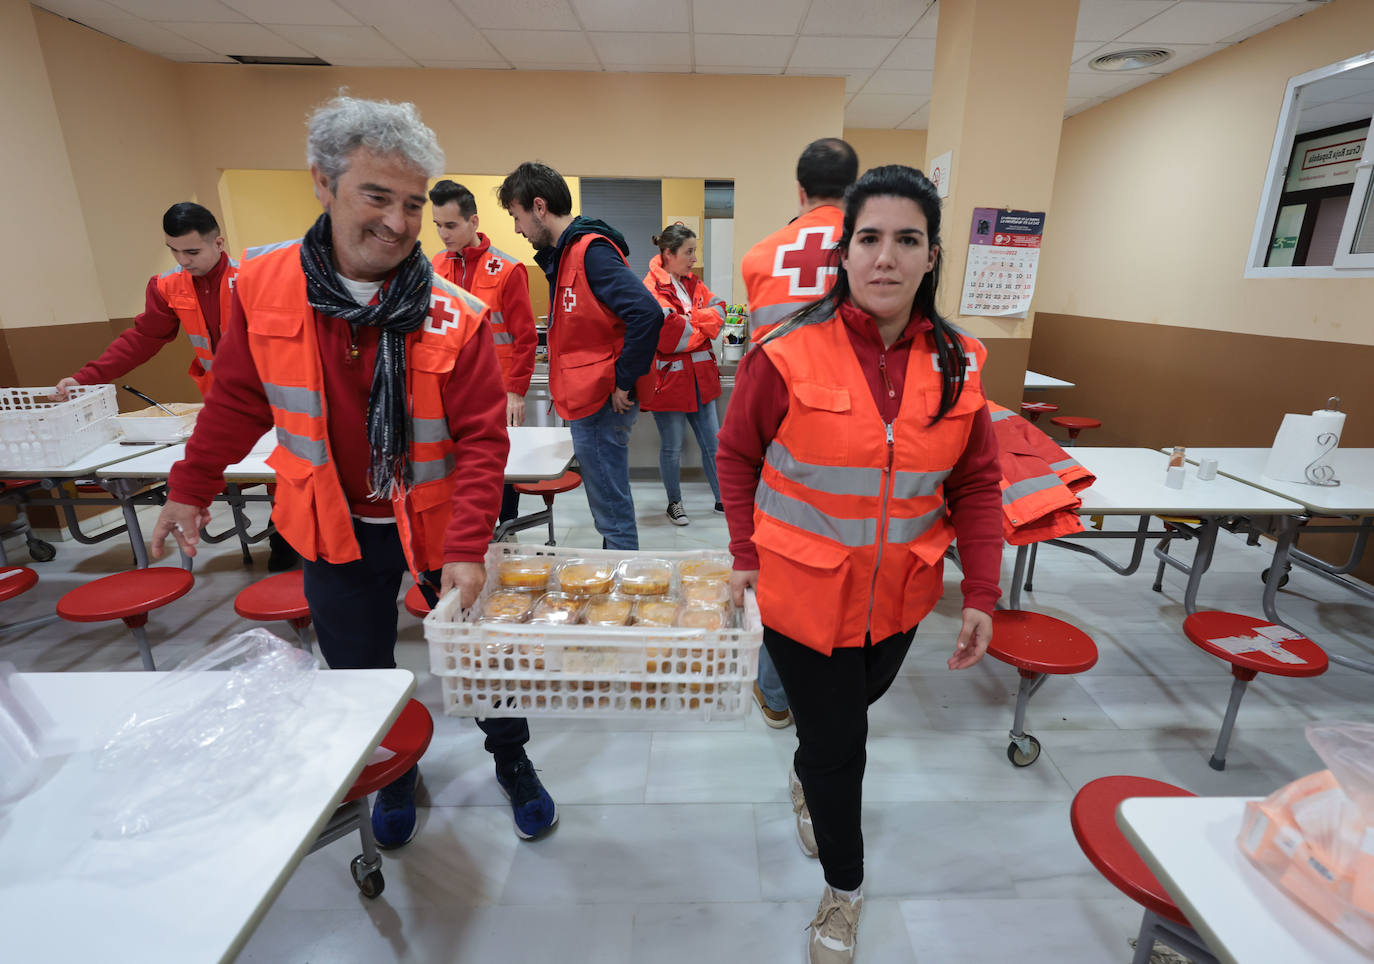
152, 424
706, 593
557, 608
699, 616
612, 610
645, 577
703, 570
585, 577
656, 612
524, 572
506, 606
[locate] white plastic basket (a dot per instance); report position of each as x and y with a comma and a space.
37, 432
522, 669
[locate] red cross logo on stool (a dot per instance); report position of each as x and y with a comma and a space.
805, 263
441, 316
494, 266
569, 299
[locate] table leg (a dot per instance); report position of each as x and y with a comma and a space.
1202, 561
1283, 542
123, 490
1017, 573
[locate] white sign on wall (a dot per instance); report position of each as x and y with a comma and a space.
939, 173
1325, 161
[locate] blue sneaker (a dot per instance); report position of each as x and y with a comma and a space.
393, 812
530, 803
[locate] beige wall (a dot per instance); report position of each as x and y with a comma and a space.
47, 272
878, 147
1156, 195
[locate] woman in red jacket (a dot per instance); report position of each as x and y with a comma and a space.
856, 448
682, 387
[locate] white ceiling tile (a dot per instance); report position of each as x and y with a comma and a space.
557, 65
779, 17
79, 10
525, 15
1289, 13
542, 47
840, 52
244, 39
1095, 84
880, 110
645, 15
854, 80
717, 49
151, 38
1109, 19
340, 45
862, 18
1329, 115
735, 69
918, 121
886, 81
643, 48
649, 68
926, 26
290, 11
465, 64
199, 11
426, 30
1202, 22
1083, 52
916, 53
1076, 105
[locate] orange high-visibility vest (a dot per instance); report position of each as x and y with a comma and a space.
1040, 481
585, 337
685, 376
311, 510
493, 266
849, 515
791, 268
179, 291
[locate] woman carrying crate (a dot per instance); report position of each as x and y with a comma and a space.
856, 449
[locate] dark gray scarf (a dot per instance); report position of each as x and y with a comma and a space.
401, 309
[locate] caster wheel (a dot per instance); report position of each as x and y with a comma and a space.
1264, 577
40, 551
370, 882
1020, 759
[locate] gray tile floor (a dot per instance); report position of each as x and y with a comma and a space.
676, 844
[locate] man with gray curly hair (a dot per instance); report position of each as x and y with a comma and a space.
382, 383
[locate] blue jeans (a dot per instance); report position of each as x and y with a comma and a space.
705, 426
601, 442
770, 683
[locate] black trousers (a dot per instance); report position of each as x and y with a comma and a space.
353, 610
829, 697
510, 503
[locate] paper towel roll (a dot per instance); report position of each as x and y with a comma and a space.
1302, 449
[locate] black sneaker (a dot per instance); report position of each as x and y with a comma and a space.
719, 509
531, 806
677, 515
282, 557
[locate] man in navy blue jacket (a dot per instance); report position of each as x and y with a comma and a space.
539, 201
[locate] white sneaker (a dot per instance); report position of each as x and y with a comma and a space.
806, 833
835, 929
677, 515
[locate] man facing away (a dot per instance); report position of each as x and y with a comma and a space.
382, 383
500, 280
194, 297
603, 332
783, 273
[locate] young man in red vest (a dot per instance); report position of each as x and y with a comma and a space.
603, 332
783, 273
193, 296
500, 280
383, 386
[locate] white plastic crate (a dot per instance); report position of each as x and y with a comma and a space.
37, 432
524, 669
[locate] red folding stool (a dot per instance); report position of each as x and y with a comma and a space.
1093, 816
547, 489
278, 598
415, 602
14, 582
1252, 646
1039, 647
1033, 410
1075, 424
407, 739
129, 596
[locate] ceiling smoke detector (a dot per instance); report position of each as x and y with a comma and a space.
1137, 58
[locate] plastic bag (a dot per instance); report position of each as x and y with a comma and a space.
1314, 837
188, 750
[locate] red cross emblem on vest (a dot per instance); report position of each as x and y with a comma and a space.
805, 263
569, 299
494, 266
441, 316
